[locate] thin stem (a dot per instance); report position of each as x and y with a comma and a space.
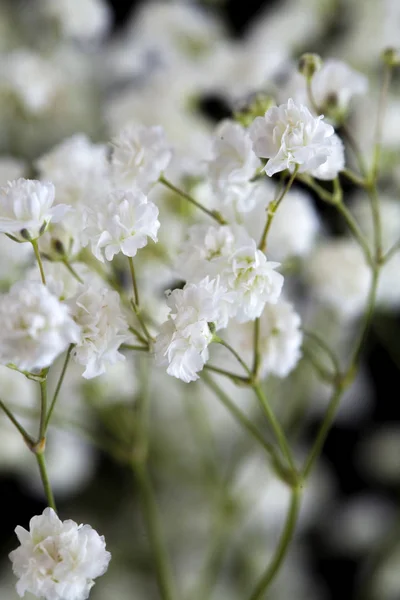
138, 334
256, 348
211, 213
318, 189
153, 524
27, 438
391, 252
376, 220
235, 354
71, 269
133, 347
134, 283
272, 208
58, 387
43, 408
387, 76
278, 432
283, 546
324, 346
353, 177
143, 325
239, 416
229, 374
323, 373
311, 98
367, 318
323, 431
45, 480
39, 260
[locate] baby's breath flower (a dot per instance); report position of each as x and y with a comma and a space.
140, 155
26, 208
58, 560
290, 137
35, 326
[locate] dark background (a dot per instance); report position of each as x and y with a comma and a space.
337, 571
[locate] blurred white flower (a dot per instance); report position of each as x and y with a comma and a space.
184, 338
140, 155
59, 280
27, 205
58, 560
340, 277
231, 254
36, 327
14, 258
125, 224
33, 80
280, 339
79, 19
289, 136
103, 329
333, 164
335, 84
233, 165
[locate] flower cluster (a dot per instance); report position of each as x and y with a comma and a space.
58, 560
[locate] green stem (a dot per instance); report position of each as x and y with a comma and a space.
239, 416
39, 260
43, 408
278, 432
58, 388
347, 134
282, 549
271, 210
324, 346
318, 189
391, 252
387, 76
235, 354
376, 220
30, 442
235, 378
45, 480
256, 348
70, 268
133, 347
353, 177
211, 213
323, 373
134, 283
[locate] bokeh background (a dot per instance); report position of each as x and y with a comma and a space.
349, 539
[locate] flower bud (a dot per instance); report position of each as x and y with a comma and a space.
255, 106
309, 64
391, 57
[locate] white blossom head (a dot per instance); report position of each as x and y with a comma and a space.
234, 161
124, 225
79, 19
58, 560
26, 208
184, 338
140, 155
290, 137
103, 328
335, 84
36, 327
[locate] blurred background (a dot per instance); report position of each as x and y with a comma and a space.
187, 65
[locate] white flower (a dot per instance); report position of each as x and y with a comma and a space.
254, 280
231, 254
281, 339
14, 259
35, 326
34, 80
233, 165
334, 163
125, 225
103, 327
340, 277
59, 281
184, 338
58, 560
289, 136
79, 19
140, 155
27, 205
335, 84
80, 173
